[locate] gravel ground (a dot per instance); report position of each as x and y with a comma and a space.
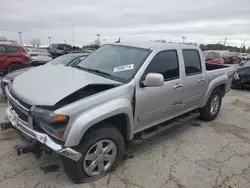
196, 155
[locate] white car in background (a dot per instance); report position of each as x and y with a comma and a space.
244, 56
38, 56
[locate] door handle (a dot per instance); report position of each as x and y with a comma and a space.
177, 86
201, 80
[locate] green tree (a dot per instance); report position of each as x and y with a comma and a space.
244, 50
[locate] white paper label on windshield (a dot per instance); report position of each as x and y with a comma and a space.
123, 68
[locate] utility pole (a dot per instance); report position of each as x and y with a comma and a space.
98, 39
49, 39
65, 41
242, 45
183, 39
20, 37
73, 35
225, 41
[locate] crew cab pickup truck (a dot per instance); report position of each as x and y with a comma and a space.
119, 93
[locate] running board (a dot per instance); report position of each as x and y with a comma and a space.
165, 126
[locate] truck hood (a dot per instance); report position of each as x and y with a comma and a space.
16, 73
46, 85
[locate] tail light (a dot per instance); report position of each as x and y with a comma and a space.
208, 59
26, 56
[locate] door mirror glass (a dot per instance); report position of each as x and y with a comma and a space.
153, 80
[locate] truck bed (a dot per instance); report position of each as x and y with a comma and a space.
210, 66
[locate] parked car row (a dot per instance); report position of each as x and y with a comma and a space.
57, 50
14, 57
38, 56
225, 57
119, 93
66, 60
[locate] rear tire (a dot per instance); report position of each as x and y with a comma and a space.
79, 172
212, 108
14, 66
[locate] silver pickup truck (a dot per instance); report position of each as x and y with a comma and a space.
119, 93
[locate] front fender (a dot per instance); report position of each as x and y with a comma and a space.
96, 115
212, 85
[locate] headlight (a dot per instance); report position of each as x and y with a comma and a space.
6, 79
236, 76
48, 115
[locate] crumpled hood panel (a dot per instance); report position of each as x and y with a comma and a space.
16, 73
46, 85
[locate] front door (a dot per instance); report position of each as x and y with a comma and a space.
194, 85
156, 104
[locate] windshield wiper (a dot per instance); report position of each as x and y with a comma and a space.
94, 70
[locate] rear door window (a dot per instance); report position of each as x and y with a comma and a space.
192, 62
11, 49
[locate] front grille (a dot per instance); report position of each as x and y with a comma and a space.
20, 101
20, 114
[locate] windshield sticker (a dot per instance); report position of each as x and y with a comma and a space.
123, 68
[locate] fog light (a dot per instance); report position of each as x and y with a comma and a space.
59, 133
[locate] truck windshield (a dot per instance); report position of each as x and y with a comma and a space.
115, 61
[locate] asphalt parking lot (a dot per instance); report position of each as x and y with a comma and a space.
196, 155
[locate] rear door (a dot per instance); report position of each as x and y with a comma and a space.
3, 57
193, 79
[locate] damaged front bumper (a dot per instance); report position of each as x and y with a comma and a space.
22, 126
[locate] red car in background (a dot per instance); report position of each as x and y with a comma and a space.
12, 57
231, 57
213, 57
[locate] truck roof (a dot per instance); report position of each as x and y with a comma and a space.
157, 45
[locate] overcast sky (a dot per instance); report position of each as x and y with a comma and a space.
201, 21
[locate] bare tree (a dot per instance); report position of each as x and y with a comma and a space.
35, 42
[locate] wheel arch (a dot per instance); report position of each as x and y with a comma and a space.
217, 83
117, 113
15, 62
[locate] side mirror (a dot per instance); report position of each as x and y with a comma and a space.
153, 80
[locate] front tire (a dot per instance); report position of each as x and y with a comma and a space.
14, 66
212, 108
102, 150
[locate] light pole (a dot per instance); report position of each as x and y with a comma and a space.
65, 41
183, 39
20, 37
98, 39
49, 39
225, 41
